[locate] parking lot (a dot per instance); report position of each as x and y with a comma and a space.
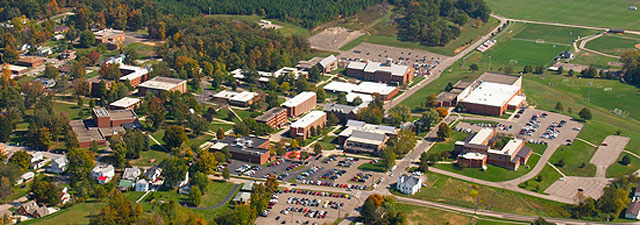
285, 169
535, 126
419, 59
343, 172
307, 207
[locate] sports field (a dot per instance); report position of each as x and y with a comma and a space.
599, 13
613, 44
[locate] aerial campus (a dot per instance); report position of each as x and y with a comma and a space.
320, 112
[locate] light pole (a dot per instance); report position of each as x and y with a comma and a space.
489, 62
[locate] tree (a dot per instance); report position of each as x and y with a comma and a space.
120, 154
443, 131
431, 101
332, 119
424, 162
585, 114
527, 69
131, 56
388, 157
21, 159
81, 162
11, 54
87, 39
93, 57
400, 114
321, 95
220, 133
45, 192
342, 99
560, 70
51, 72
626, 160
197, 124
195, 196
317, 149
559, 106
571, 72
174, 137
427, 120
474, 67
174, 170
6, 188
449, 87
442, 112
560, 163
7, 130
206, 162
294, 144
539, 69
314, 74
118, 210
542, 221
226, 174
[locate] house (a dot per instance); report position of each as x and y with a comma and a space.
300, 104
142, 185
185, 190
16, 70
313, 119
408, 184
37, 165
67, 55
114, 59
274, 117
241, 198
58, 165
131, 174
57, 37
387, 72
60, 29
64, 196
30, 62
124, 185
248, 186
103, 174
244, 99
25, 177
342, 112
326, 64
31, 208
633, 211
153, 174
566, 56
247, 149
44, 51
37, 156
158, 84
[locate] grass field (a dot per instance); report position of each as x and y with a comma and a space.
448, 144
286, 28
537, 148
493, 173
548, 175
449, 190
142, 49
216, 192
614, 44
607, 13
423, 215
576, 158
617, 169
563, 35
147, 156
77, 214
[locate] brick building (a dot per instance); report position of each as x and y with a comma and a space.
477, 150
361, 137
125, 103
113, 118
133, 74
274, 117
157, 84
113, 39
29, 62
302, 127
301, 103
387, 72
247, 149
326, 64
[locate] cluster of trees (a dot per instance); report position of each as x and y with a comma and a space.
374, 112
435, 23
249, 125
398, 145
609, 206
307, 13
631, 60
382, 210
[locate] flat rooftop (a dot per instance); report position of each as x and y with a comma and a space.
481, 136
308, 119
132, 72
125, 102
122, 114
338, 86
162, 83
270, 114
394, 69
498, 78
366, 98
492, 94
244, 96
371, 87
511, 147
298, 99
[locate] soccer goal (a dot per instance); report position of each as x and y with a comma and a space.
539, 41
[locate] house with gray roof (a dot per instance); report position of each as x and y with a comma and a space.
131, 174
342, 112
58, 165
408, 184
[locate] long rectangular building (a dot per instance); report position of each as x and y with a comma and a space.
387, 72
301, 103
157, 84
274, 117
302, 127
247, 149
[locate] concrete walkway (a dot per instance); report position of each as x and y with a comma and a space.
587, 142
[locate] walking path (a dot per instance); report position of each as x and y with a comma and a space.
631, 153
226, 199
556, 168
234, 113
142, 197
225, 121
156, 141
587, 142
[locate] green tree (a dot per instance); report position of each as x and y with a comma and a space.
585, 114
11, 54
51, 72
559, 106
560, 70
332, 119
226, 174
195, 196
157, 113
174, 170
81, 162
118, 210
571, 72
314, 74
508, 70
342, 99
474, 67
87, 39
321, 95
317, 149
21, 159
45, 192
626, 160
449, 87
388, 157
424, 162
399, 114
174, 136
443, 131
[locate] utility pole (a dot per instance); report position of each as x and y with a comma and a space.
489, 62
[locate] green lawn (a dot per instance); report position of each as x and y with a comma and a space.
449, 190
222, 114
588, 58
548, 175
215, 126
147, 156
328, 142
416, 100
614, 44
377, 167
493, 173
617, 169
512, 53
537, 148
142, 49
77, 214
574, 156
563, 35
216, 192
416, 214
607, 13
448, 144
73, 111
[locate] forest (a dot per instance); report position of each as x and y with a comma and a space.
436, 22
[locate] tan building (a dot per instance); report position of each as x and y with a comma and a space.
302, 127
274, 117
125, 103
30, 62
326, 65
301, 103
157, 84
361, 137
477, 150
243, 99
387, 72
133, 74
113, 39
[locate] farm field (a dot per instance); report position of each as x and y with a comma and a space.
614, 44
599, 13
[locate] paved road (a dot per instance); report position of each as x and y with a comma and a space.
437, 71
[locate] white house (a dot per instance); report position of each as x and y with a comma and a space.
64, 196
142, 185
153, 174
409, 184
103, 174
185, 181
44, 51
58, 165
36, 156
131, 174
37, 164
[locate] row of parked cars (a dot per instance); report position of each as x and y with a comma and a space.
314, 193
277, 162
329, 184
272, 202
333, 174
361, 177
348, 162
308, 172
294, 166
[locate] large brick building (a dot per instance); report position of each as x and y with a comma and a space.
387, 72
302, 127
113, 118
157, 84
361, 137
103, 125
247, 149
301, 103
274, 117
133, 74
113, 39
477, 150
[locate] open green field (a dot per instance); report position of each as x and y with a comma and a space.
557, 34
599, 13
286, 28
416, 100
618, 169
613, 44
448, 144
576, 158
216, 192
142, 49
416, 214
449, 190
493, 172
388, 36
77, 214
548, 176
146, 158
600, 61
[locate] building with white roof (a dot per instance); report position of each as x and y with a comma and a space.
302, 127
135, 75
125, 103
477, 150
409, 184
338, 86
386, 72
364, 97
244, 98
103, 174
301, 103
362, 137
370, 88
157, 84
493, 94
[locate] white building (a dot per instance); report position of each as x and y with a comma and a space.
58, 165
153, 174
131, 174
64, 196
142, 185
37, 156
409, 185
103, 174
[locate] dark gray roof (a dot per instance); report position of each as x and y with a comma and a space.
355, 123
331, 107
269, 114
368, 135
245, 145
634, 208
498, 78
408, 180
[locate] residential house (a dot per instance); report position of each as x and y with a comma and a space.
131, 174
153, 174
408, 184
31, 208
142, 185
103, 174
633, 211
64, 196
